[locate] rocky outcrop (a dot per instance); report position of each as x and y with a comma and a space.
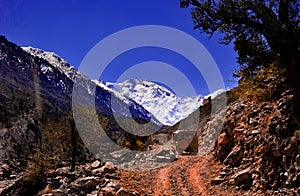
259, 146
95, 178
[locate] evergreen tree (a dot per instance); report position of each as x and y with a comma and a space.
264, 32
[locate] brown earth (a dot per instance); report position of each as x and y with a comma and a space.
188, 175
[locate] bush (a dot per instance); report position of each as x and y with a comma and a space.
266, 84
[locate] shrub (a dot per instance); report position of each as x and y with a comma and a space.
266, 84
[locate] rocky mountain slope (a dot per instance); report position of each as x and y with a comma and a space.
164, 105
90, 86
255, 152
245, 147
35, 83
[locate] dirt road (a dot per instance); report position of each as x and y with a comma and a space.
189, 175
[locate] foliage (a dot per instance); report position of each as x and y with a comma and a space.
255, 25
266, 84
99, 130
263, 32
55, 146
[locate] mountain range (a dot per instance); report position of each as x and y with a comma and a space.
37, 86
163, 104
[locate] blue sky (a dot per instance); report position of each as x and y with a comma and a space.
72, 28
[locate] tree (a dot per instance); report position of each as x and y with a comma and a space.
263, 32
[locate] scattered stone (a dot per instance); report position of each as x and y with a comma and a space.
298, 159
225, 143
109, 191
234, 156
238, 132
217, 180
6, 170
276, 153
62, 171
223, 139
97, 171
243, 178
255, 132
96, 164
124, 192
107, 168
13, 176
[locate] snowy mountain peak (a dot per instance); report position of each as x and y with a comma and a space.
161, 102
51, 57
55, 60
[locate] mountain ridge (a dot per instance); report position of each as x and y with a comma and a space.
151, 96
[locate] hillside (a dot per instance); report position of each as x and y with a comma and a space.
246, 147
257, 152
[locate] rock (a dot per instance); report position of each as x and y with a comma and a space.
223, 139
251, 121
217, 180
62, 170
64, 182
255, 132
84, 185
238, 132
47, 191
96, 164
6, 170
298, 159
225, 143
284, 159
13, 176
222, 174
114, 184
124, 192
234, 156
97, 171
107, 168
86, 182
243, 178
276, 153
109, 191
112, 176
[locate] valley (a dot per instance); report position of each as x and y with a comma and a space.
48, 146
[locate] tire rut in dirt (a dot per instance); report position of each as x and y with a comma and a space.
179, 181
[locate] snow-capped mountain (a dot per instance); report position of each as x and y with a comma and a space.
147, 97
54, 60
101, 92
161, 102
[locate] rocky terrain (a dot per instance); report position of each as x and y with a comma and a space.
96, 178
245, 147
256, 153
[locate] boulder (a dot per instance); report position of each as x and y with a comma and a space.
234, 156
243, 178
223, 139
6, 170
225, 144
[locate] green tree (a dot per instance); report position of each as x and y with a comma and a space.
263, 32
